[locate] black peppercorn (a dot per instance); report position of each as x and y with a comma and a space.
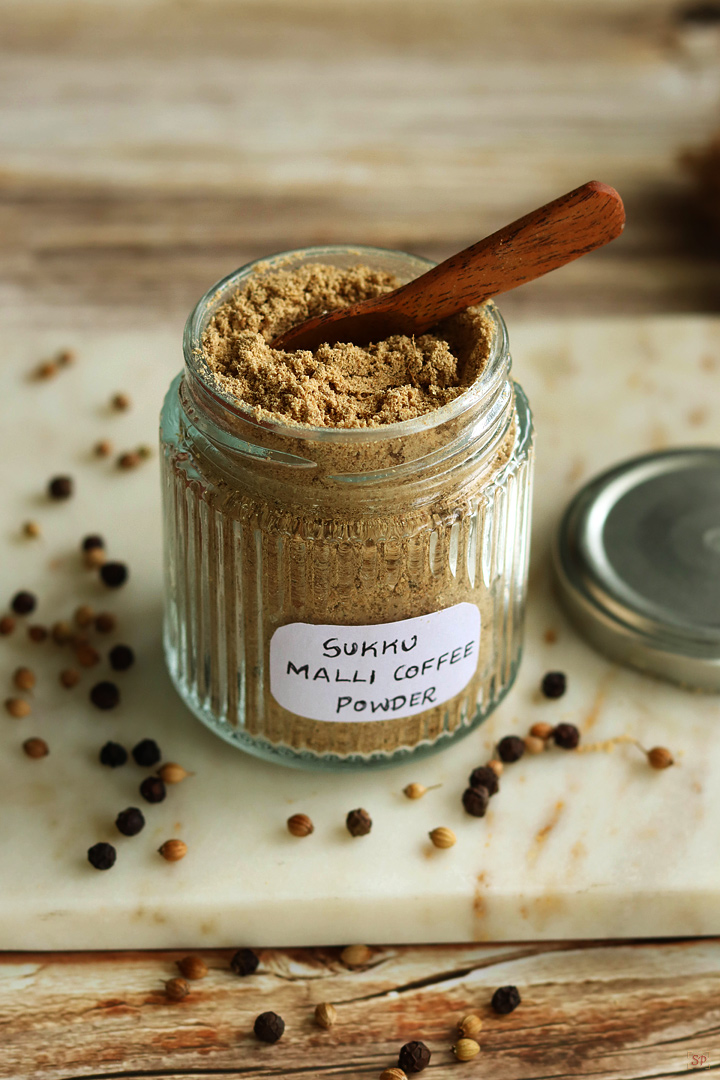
105, 695
484, 777
475, 800
102, 856
358, 822
60, 487
146, 753
414, 1057
511, 748
152, 789
114, 574
566, 735
505, 999
245, 962
554, 684
113, 754
121, 657
269, 1027
130, 822
92, 541
23, 603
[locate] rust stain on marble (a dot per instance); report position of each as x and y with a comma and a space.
697, 417
542, 834
659, 437
709, 363
592, 716
480, 906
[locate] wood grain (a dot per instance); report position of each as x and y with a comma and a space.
609, 1010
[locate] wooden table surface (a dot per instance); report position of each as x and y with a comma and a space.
149, 147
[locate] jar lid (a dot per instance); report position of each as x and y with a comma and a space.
637, 562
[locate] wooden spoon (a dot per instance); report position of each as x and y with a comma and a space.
550, 236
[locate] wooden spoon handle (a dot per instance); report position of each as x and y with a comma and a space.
542, 240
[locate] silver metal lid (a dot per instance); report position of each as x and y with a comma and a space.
637, 562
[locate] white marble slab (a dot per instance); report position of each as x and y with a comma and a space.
574, 846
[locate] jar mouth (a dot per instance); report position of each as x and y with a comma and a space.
348, 254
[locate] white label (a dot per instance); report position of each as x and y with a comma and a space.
376, 672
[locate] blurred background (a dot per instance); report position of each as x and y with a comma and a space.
148, 147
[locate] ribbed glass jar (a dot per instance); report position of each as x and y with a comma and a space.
340, 598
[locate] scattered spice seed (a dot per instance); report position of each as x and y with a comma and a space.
66, 357
533, 745
105, 623
92, 540
61, 487
144, 452
442, 837
414, 1057
566, 736
497, 767
102, 856
554, 684
470, 1026
114, 574
172, 773
300, 825
660, 758
129, 460
356, 956
146, 753
113, 754
121, 402
505, 999
511, 748
18, 707
94, 558
24, 678
152, 789
392, 1074
176, 989
358, 822
87, 656
48, 370
466, 1049
130, 822
416, 791
69, 678
84, 615
32, 529
121, 657
7, 625
475, 800
38, 634
541, 730
325, 1015
36, 748
245, 962
105, 695
62, 632
103, 448
485, 777
23, 602
269, 1027
173, 850
192, 967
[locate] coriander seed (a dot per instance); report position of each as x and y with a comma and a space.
84, 615
466, 1049
470, 1026
105, 623
32, 530
153, 790
176, 989
269, 1027
533, 745
105, 695
48, 370
120, 402
475, 800
496, 766
356, 956
416, 791
505, 999
171, 773
325, 1015
485, 777
87, 656
94, 558
129, 460
442, 837
554, 684
61, 487
102, 856
245, 962
61, 632
510, 749
392, 1074
300, 825
66, 357
121, 657
358, 822
103, 448
414, 1057
114, 574
24, 678
69, 678
38, 634
173, 850
36, 748
146, 753
192, 967
130, 822
23, 602
660, 758
566, 736
7, 625
113, 755
18, 707
144, 451
541, 730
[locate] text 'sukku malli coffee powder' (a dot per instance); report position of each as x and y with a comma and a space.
346, 531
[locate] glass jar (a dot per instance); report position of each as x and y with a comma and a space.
340, 598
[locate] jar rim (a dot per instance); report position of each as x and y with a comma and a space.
206, 306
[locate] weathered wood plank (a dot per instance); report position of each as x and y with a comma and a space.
610, 1010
